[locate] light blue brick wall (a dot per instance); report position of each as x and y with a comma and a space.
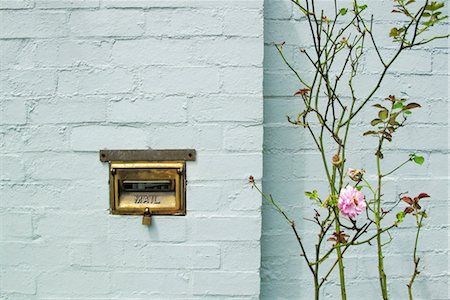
77, 76
291, 165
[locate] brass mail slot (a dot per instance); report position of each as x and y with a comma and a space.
156, 188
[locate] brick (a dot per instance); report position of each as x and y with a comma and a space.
13, 111
64, 166
93, 138
234, 258
230, 283
421, 58
217, 51
226, 229
438, 164
12, 168
16, 52
280, 84
286, 138
25, 195
242, 80
127, 284
273, 60
164, 228
439, 111
226, 109
163, 110
16, 4
89, 226
172, 256
36, 24
72, 53
36, 255
51, 138
243, 22
277, 10
17, 281
440, 63
95, 82
148, 51
107, 23
277, 110
291, 32
203, 22
196, 194
67, 4
73, 283
242, 197
180, 80
238, 166
243, 138
204, 137
230, 51
96, 254
16, 226
82, 110
29, 82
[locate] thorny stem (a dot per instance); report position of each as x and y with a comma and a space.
416, 259
377, 209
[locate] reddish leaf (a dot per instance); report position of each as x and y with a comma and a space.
411, 106
409, 210
407, 200
302, 92
423, 195
391, 97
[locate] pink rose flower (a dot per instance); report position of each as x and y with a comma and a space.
351, 202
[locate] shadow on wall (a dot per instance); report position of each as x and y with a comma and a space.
292, 166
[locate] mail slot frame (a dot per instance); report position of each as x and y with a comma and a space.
176, 168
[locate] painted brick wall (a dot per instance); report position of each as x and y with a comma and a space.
291, 165
78, 76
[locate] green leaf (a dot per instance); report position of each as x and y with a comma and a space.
398, 105
394, 32
370, 132
343, 11
418, 159
379, 106
362, 7
359, 187
424, 214
434, 6
383, 114
400, 216
312, 195
375, 122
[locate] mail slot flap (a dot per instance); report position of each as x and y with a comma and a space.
148, 186
158, 187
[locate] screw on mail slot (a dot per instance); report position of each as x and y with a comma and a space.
147, 182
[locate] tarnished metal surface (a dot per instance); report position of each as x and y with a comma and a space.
148, 155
